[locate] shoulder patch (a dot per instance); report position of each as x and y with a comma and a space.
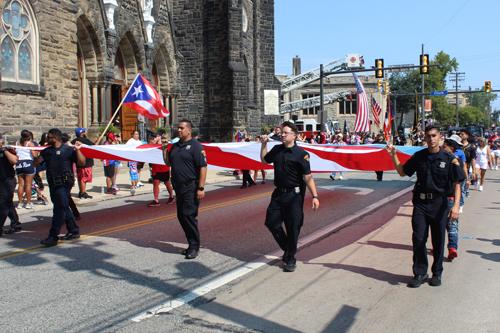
455, 161
203, 153
306, 157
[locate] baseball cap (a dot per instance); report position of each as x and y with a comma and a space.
111, 136
80, 130
456, 138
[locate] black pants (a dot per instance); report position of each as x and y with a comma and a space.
73, 208
187, 211
286, 208
434, 214
61, 213
247, 178
7, 188
380, 174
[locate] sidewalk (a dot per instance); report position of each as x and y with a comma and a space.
356, 280
123, 182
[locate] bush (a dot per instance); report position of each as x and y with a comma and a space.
266, 129
111, 129
164, 129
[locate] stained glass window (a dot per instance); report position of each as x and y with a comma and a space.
19, 42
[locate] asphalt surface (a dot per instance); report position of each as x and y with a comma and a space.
128, 258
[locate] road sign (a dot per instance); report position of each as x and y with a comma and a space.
439, 93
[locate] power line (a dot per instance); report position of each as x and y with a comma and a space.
447, 22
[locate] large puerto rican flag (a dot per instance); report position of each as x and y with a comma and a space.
143, 98
363, 114
246, 155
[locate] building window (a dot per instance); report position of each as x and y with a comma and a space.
349, 106
311, 111
244, 18
19, 43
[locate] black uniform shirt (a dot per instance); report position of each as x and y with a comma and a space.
6, 169
435, 172
290, 164
58, 161
470, 153
186, 159
88, 161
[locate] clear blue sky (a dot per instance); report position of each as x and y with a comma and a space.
320, 31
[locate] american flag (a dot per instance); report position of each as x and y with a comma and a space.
388, 120
143, 98
362, 117
376, 110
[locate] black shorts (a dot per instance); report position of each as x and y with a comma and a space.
162, 176
109, 170
140, 165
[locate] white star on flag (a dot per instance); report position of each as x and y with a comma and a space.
137, 91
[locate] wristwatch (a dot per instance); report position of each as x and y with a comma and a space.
315, 197
201, 189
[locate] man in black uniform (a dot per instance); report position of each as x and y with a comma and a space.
437, 171
59, 158
189, 171
8, 159
292, 173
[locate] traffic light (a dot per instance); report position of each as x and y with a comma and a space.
379, 73
487, 87
379, 85
387, 88
424, 61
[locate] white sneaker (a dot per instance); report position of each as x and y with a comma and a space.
496, 167
29, 205
477, 185
140, 184
341, 177
115, 188
20, 205
460, 210
480, 188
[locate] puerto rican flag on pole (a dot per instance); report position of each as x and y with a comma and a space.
362, 117
376, 110
143, 98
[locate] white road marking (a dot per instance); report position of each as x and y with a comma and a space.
238, 272
361, 190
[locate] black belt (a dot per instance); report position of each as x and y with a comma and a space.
429, 196
288, 189
185, 184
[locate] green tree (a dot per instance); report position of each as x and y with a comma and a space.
470, 115
480, 99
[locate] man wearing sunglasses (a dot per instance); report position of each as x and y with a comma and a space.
292, 174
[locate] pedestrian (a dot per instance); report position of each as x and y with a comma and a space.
437, 172
470, 159
292, 174
451, 146
135, 141
8, 159
483, 161
494, 142
84, 174
161, 173
59, 158
460, 155
188, 161
109, 166
263, 172
340, 142
275, 135
25, 170
380, 141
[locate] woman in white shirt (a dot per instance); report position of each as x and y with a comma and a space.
483, 158
25, 169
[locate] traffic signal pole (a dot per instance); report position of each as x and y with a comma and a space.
423, 98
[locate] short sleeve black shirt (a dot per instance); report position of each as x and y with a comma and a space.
6, 169
435, 172
186, 159
470, 153
290, 165
89, 162
59, 161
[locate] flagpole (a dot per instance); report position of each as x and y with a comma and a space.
116, 111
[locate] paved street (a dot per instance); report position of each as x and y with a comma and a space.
128, 261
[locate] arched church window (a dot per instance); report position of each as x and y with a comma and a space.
19, 43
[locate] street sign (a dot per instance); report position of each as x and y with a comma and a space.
439, 93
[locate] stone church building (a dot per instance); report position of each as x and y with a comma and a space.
68, 63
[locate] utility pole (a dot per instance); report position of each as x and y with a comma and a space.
456, 79
423, 97
321, 93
